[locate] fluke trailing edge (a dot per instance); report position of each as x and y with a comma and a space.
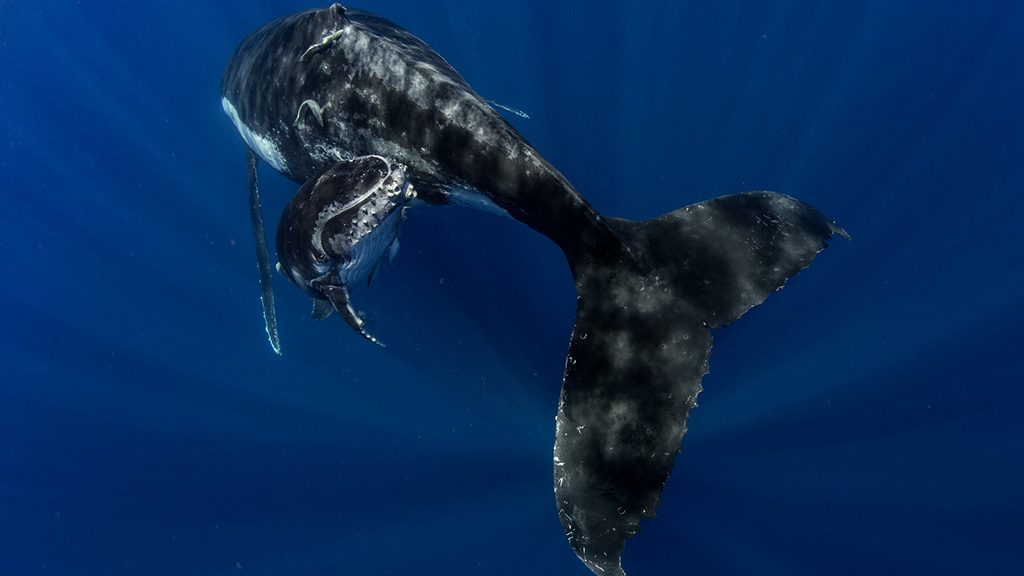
372, 121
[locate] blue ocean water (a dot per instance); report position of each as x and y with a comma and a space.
864, 420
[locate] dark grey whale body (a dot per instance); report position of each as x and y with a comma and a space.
372, 120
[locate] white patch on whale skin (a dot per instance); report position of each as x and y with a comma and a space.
315, 108
470, 198
324, 42
262, 145
327, 154
368, 252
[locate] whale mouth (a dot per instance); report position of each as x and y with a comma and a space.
336, 230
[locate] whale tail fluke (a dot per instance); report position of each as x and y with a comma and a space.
640, 347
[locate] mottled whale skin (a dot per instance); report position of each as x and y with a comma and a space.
371, 120
382, 91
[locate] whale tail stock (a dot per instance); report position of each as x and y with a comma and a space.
640, 347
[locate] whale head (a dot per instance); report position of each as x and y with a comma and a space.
338, 227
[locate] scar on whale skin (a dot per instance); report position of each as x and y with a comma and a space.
648, 292
323, 43
338, 12
314, 108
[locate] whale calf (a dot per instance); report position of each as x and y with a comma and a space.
371, 121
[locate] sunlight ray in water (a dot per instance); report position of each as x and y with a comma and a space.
871, 405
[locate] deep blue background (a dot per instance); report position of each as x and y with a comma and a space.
865, 420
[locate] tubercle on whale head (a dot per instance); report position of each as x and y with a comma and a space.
339, 225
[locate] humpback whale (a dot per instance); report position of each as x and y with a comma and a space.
371, 121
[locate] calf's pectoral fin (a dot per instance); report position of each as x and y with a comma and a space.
338, 296
321, 309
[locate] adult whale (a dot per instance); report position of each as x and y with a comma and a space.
372, 120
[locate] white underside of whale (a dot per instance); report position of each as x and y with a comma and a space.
264, 147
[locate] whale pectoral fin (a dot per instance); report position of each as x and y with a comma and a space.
393, 247
392, 251
262, 254
373, 272
509, 109
321, 309
338, 297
